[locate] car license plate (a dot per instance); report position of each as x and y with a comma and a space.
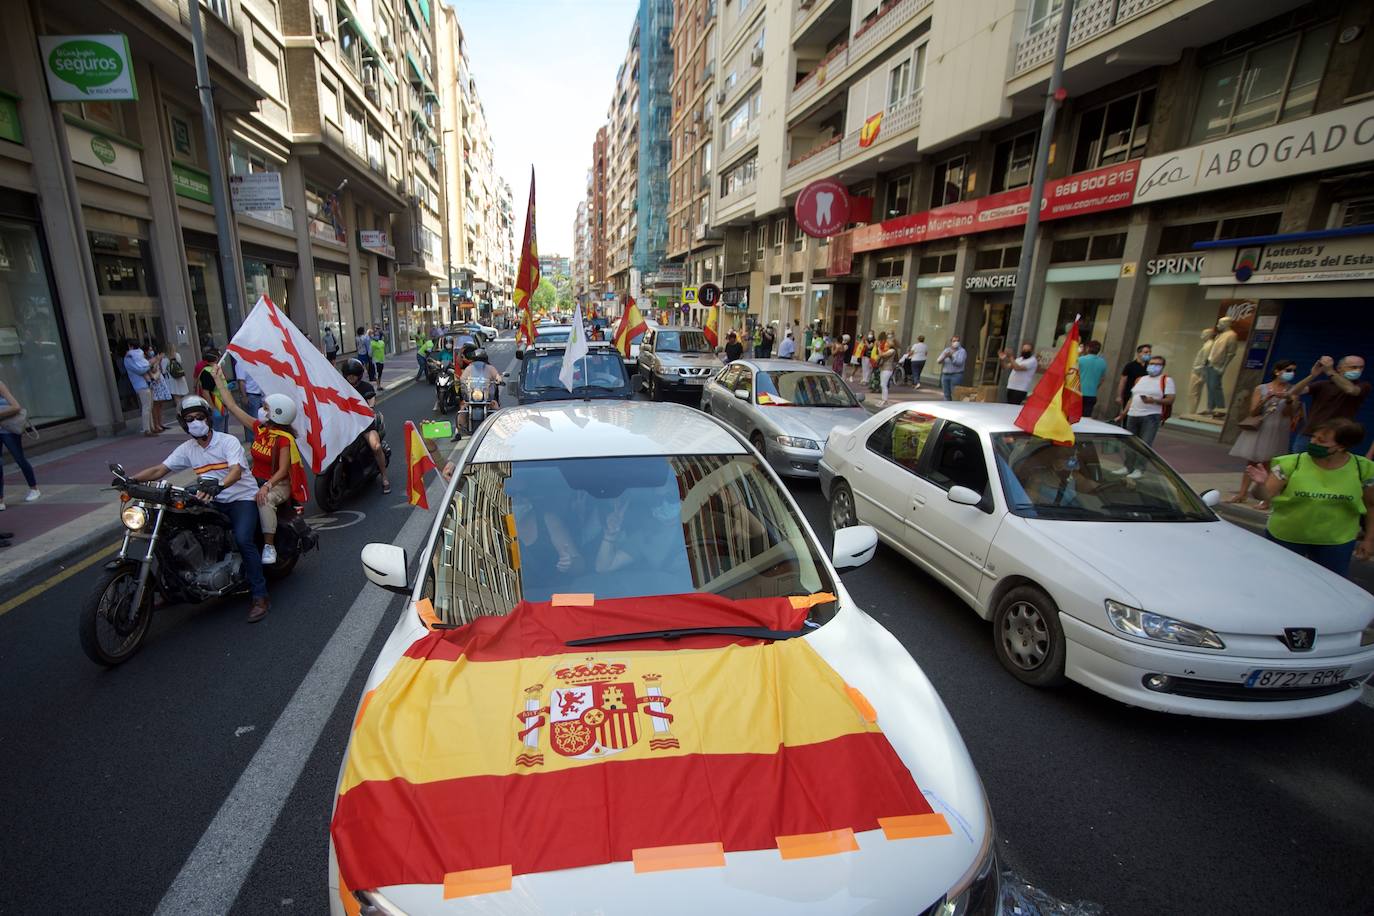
696, 381
1272, 679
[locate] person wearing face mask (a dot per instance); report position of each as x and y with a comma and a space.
220, 457
1265, 430
1340, 394
1022, 376
1131, 373
951, 361
1321, 496
1153, 392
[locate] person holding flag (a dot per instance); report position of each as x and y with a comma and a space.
1057, 401
276, 462
527, 277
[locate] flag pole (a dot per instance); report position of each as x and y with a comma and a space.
1053, 99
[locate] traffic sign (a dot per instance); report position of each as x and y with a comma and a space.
708, 294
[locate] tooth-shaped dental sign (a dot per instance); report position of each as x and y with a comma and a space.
823, 201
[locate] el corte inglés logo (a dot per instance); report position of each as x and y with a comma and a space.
85, 64
103, 149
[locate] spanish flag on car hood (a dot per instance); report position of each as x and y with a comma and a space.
495, 750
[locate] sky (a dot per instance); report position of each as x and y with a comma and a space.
545, 72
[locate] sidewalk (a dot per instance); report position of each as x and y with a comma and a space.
77, 513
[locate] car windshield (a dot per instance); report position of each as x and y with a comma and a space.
791, 388
559, 336
1101, 478
681, 342
619, 527
601, 369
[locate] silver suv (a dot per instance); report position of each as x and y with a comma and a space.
675, 359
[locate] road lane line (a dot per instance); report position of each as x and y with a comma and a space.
217, 868
30, 593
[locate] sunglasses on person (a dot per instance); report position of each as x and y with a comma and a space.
195, 415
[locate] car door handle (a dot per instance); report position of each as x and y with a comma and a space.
858, 467
917, 501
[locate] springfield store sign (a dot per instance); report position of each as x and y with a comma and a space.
1331, 140
84, 68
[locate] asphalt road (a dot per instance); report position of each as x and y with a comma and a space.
109, 779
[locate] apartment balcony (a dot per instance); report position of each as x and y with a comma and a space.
842, 152
823, 158
741, 140
853, 54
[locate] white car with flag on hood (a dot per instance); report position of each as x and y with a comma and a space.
1095, 562
628, 680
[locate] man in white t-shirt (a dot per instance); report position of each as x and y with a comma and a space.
220, 456
1022, 376
1150, 395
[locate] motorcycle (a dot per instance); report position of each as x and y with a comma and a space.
354, 469
446, 390
189, 556
480, 397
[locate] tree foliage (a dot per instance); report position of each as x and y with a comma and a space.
545, 297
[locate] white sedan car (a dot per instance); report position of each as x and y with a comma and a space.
628, 680
1096, 563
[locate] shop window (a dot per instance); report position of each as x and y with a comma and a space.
1114, 132
1069, 250
889, 267
1012, 162
109, 115
898, 197
1244, 227
1266, 85
948, 184
121, 265
33, 345
937, 264
1108, 247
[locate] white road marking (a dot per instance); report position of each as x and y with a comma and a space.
340, 519
243, 730
217, 868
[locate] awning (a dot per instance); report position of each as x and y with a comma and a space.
418, 76
372, 46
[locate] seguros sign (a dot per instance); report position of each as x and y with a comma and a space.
85, 67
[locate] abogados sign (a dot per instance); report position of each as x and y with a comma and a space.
822, 208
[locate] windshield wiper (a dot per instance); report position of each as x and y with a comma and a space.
677, 632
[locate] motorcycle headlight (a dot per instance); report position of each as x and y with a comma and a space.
134, 517
443, 381
478, 394
1135, 622
796, 442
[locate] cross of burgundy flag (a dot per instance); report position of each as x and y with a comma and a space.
329, 413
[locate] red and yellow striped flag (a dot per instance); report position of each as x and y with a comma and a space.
417, 462
527, 278
712, 327
869, 131
630, 326
1057, 401
483, 748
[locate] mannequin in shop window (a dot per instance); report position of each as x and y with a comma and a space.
1218, 358
1197, 382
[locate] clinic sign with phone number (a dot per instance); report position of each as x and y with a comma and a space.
86, 68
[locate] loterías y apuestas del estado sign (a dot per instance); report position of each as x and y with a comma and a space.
85, 68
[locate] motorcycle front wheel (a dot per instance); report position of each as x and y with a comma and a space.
111, 630
325, 497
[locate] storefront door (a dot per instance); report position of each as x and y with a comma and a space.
992, 338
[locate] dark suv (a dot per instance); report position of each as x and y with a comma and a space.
600, 375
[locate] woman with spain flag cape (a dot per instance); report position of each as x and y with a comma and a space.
1057, 401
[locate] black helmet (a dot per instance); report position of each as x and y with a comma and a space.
480, 355
351, 366
469, 351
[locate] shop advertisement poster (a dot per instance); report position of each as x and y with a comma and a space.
1326, 141
193, 184
84, 68
1108, 188
1299, 261
101, 152
256, 191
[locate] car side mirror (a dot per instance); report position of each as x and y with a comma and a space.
854, 546
519, 354
1211, 499
742, 394
964, 496
385, 565
859, 396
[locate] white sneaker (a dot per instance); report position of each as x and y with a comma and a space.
1135, 475
1121, 470
33, 494
269, 554
2, 505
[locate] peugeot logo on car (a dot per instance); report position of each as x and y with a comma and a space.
1299, 639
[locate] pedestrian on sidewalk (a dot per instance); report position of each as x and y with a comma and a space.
1092, 368
1022, 376
136, 367
174, 370
788, 348
14, 419
838, 349
157, 380
870, 344
1131, 373
733, 348
377, 348
884, 361
1340, 394
1321, 496
1152, 395
951, 361
915, 361
363, 344
331, 344
1265, 431
422, 347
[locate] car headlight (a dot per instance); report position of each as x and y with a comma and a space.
134, 517
978, 892
796, 442
1367, 637
1135, 622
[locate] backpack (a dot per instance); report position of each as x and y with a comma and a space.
174, 368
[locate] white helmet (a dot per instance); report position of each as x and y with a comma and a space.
280, 409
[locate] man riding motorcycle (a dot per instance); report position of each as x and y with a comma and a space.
479, 370
220, 456
353, 371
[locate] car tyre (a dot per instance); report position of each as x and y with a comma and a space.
1027, 637
842, 512
756, 440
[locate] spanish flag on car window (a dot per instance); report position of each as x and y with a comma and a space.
869, 132
1057, 401
495, 746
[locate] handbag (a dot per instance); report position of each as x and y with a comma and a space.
19, 424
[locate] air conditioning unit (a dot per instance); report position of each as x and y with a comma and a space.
756, 57
386, 44
720, 97
322, 30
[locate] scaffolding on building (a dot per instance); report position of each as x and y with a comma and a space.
655, 121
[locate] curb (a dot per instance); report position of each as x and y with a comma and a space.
26, 576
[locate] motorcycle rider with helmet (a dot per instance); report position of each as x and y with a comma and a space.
478, 369
220, 456
352, 370
276, 462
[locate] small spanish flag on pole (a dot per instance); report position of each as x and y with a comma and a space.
1057, 401
630, 326
417, 462
527, 278
712, 327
